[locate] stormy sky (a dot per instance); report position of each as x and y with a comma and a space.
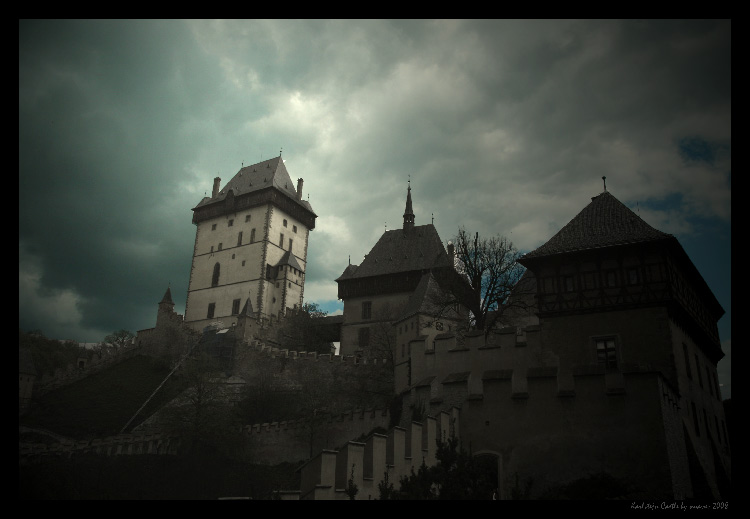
503, 127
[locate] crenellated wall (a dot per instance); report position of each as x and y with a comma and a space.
121, 444
61, 378
397, 453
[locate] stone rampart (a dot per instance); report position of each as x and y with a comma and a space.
397, 453
121, 444
63, 377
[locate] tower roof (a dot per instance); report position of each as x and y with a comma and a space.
289, 259
167, 297
268, 173
605, 222
401, 250
408, 211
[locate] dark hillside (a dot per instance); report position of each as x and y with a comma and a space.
102, 403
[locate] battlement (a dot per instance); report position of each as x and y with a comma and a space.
273, 351
61, 378
121, 444
396, 454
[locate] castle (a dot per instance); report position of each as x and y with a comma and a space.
614, 370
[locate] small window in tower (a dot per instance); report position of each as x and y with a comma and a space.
606, 353
290, 244
220, 246
281, 241
285, 222
252, 236
213, 227
247, 218
367, 310
235, 307
215, 277
230, 223
364, 337
290, 285
212, 248
687, 361
211, 309
239, 239
294, 228
243, 263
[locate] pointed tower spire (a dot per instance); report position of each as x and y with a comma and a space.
167, 297
408, 213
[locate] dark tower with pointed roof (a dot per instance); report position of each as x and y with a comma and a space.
376, 291
250, 246
617, 297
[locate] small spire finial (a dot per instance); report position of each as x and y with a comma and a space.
605, 183
282, 149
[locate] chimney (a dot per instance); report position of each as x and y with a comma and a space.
299, 188
215, 192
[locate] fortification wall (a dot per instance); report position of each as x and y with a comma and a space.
121, 444
396, 453
297, 440
72, 373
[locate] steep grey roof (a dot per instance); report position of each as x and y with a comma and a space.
605, 222
289, 259
402, 250
247, 310
255, 177
26, 362
167, 297
425, 298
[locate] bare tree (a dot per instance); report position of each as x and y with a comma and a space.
490, 268
119, 339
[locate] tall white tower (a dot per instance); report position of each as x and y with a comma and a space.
250, 251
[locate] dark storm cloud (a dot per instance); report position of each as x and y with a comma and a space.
502, 126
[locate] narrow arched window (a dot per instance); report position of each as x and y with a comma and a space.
215, 278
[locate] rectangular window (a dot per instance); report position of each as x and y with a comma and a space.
235, 307
212, 248
294, 228
367, 310
569, 283
606, 353
213, 227
239, 239
211, 309
230, 223
281, 241
698, 370
220, 246
247, 218
284, 223
364, 337
290, 245
688, 370
252, 236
